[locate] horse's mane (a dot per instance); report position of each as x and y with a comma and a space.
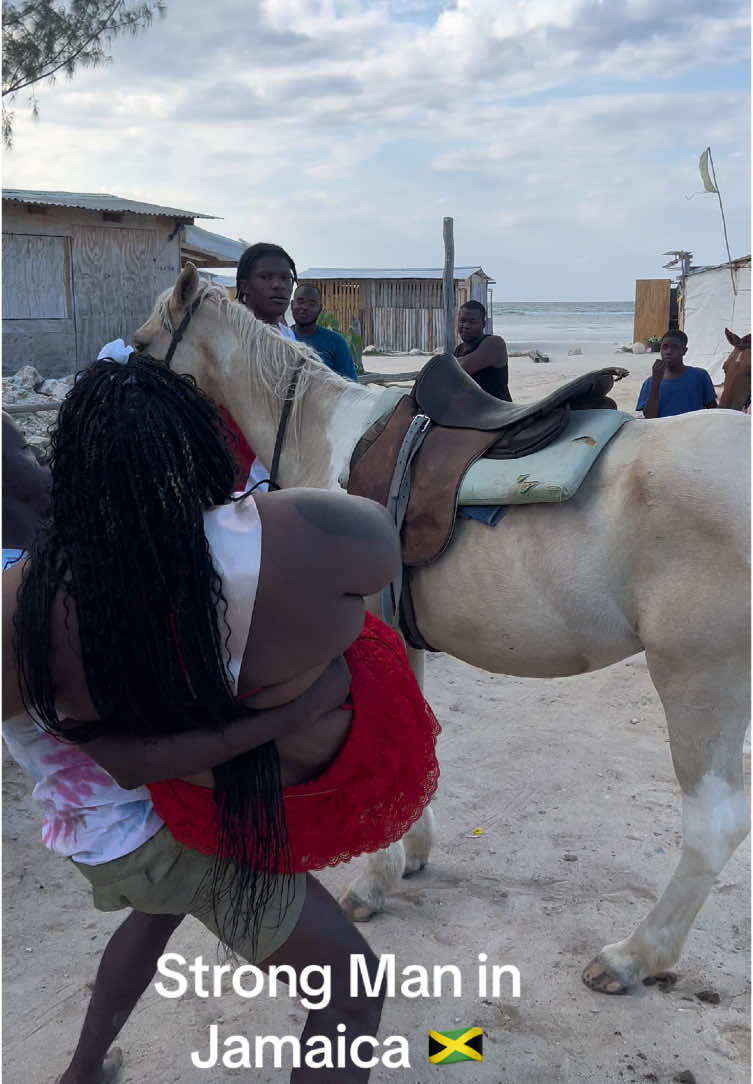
272, 359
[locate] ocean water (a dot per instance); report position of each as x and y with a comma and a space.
536, 323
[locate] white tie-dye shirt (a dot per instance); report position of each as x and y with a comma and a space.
85, 814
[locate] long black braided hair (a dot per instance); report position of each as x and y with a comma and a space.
138, 454
249, 258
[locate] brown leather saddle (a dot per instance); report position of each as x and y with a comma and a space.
455, 423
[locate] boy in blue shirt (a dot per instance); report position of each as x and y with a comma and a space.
331, 347
673, 387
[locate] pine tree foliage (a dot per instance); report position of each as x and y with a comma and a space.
42, 38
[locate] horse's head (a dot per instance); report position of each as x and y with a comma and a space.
187, 315
242, 363
736, 392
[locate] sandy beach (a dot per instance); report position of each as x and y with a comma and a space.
558, 824
530, 380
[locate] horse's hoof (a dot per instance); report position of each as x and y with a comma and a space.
603, 979
356, 909
414, 865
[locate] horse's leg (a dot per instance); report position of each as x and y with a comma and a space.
418, 841
382, 871
707, 709
416, 660
381, 874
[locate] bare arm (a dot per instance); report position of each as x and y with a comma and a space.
26, 488
491, 352
135, 761
651, 408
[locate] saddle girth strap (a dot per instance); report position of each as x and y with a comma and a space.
408, 624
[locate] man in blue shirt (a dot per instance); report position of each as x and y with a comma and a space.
673, 387
331, 347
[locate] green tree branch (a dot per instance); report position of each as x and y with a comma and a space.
41, 38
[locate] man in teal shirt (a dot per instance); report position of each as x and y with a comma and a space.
331, 347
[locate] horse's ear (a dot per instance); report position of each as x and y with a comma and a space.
185, 289
732, 339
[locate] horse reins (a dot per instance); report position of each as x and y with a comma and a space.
289, 394
286, 406
178, 333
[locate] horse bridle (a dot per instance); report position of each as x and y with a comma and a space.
289, 394
180, 331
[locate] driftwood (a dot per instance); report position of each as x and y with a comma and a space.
388, 378
408, 378
534, 354
31, 408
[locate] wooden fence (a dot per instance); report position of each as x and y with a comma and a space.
392, 314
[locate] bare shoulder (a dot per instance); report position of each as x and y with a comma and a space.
496, 345
492, 347
322, 553
317, 525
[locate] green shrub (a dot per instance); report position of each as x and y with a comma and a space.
351, 336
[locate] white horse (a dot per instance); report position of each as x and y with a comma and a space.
651, 554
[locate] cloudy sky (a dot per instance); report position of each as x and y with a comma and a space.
563, 136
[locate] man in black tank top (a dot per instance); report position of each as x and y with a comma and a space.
484, 357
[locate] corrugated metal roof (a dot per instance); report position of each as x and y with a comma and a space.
223, 250
741, 261
97, 201
218, 280
388, 273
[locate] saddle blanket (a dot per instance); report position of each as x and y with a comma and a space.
547, 476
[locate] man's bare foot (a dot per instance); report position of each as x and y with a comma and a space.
106, 1074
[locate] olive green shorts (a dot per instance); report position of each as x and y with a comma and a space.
162, 877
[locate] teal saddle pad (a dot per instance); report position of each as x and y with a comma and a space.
550, 475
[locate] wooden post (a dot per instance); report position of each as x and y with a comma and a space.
448, 285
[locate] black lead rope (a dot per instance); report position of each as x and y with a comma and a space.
289, 397
178, 335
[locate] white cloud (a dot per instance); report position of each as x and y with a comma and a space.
348, 129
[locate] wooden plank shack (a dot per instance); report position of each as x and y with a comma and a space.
81, 269
652, 303
397, 310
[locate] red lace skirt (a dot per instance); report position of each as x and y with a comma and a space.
378, 786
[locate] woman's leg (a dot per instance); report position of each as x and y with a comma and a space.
127, 967
323, 936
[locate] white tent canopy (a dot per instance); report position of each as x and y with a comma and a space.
710, 305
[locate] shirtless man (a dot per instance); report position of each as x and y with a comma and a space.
484, 357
